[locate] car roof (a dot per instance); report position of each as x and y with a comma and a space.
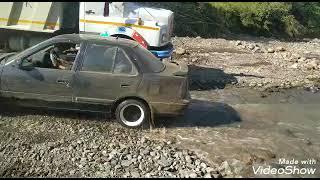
98, 39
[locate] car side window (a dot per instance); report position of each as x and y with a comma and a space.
122, 63
56, 56
99, 58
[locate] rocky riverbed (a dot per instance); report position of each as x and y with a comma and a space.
249, 109
259, 63
60, 145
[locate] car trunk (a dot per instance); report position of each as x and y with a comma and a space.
177, 86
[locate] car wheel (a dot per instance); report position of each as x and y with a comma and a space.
133, 114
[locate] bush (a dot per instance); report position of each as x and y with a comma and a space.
279, 19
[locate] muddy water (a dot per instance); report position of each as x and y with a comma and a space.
250, 126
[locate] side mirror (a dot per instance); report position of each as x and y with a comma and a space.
26, 65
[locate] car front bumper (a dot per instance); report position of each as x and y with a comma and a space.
162, 52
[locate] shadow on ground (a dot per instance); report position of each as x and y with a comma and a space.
204, 78
202, 114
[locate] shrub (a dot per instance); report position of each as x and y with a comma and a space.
279, 19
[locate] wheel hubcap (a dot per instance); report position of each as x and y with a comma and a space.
132, 115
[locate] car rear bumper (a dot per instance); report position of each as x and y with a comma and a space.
170, 109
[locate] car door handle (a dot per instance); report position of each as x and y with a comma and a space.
124, 85
61, 81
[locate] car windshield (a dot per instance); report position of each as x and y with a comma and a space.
10, 58
149, 60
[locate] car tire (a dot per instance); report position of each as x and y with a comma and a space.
133, 114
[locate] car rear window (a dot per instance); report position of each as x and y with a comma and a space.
149, 60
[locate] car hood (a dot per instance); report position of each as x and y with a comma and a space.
175, 69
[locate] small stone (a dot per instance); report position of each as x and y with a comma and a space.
180, 51
135, 174
72, 172
145, 152
165, 162
215, 175
203, 165
256, 49
302, 59
143, 140
152, 153
126, 163
225, 168
129, 157
238, 43
193, 175
197, 162
270, 50
188, 159
208, 175
209, 169
280, 49
294, 66
251, 46
105, 153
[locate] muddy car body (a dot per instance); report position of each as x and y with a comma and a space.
107, 75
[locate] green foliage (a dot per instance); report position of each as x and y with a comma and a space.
279, 19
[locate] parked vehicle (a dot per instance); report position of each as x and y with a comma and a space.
94, 73
23, 24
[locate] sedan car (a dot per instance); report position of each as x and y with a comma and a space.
98, 74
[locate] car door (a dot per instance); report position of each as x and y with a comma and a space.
38, 86
106, 75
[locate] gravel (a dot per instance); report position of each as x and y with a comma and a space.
82, 145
